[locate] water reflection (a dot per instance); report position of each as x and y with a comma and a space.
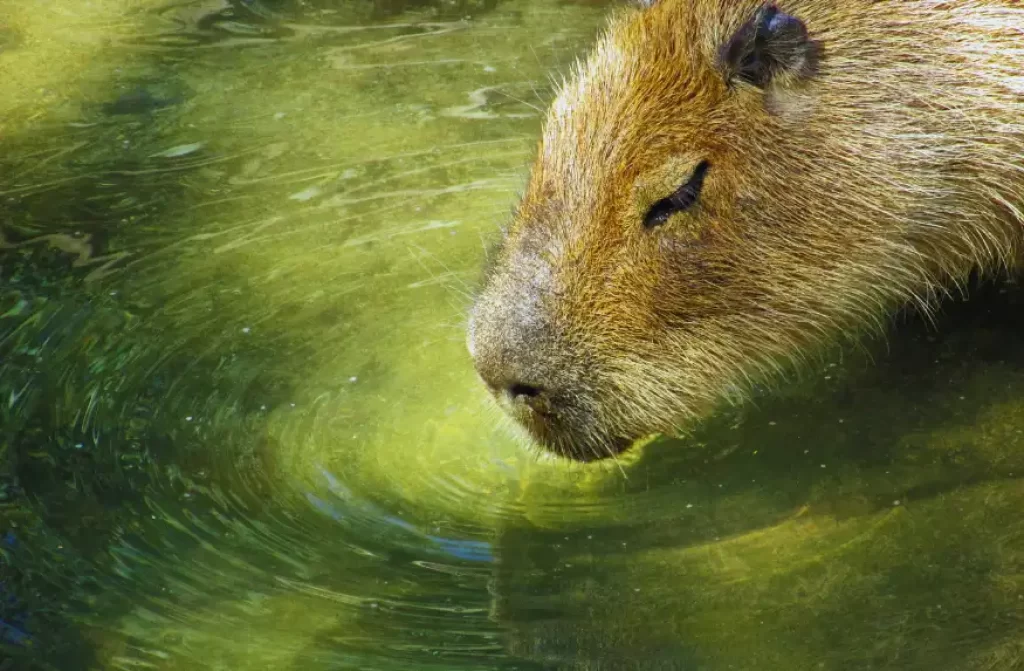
240, 429
864, 519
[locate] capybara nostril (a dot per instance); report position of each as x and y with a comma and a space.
524, 391
537, 399
500, 377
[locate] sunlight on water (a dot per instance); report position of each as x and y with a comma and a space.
54, 55
240, 428
273, 221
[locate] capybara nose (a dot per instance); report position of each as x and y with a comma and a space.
510, 341
518, 390
533, 397
504, 382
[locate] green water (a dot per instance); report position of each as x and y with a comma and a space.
240, 430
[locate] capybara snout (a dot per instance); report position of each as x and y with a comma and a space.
724, 185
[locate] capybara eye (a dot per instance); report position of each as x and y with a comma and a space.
682, 199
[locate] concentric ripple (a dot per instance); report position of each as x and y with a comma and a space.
240, 430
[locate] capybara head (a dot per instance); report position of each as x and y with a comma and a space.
724, 184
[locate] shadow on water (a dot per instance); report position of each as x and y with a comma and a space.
96, 415
866, 518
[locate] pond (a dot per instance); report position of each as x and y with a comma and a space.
239, 428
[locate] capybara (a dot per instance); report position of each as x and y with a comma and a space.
724, 185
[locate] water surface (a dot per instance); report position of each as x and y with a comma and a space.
240, 429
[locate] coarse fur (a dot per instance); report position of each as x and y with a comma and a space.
881, 173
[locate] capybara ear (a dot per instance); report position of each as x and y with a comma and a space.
770, 44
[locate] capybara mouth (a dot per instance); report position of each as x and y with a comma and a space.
608, 449
584, 451
581, 445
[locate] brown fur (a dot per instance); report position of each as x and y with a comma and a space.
887, 174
